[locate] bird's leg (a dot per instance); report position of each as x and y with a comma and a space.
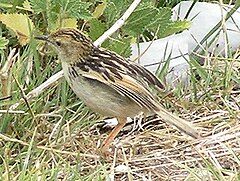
113, 134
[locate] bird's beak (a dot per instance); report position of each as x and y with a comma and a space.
44, 38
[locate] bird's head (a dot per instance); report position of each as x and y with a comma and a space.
70, 44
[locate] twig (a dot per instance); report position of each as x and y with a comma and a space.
12, 112
119, 23
4, 72
35, 92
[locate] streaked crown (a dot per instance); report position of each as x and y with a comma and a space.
71, 44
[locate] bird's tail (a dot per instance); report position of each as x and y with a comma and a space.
180, 123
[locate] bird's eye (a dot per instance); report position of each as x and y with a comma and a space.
58, 43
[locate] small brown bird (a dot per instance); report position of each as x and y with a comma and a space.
108, 83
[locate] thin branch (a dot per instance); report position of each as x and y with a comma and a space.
5, 72
12, 112
53, 79
118, 24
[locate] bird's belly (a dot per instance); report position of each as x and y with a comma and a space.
103, 99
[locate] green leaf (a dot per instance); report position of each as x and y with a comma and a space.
39, 5
165, 26
74, 9
140, 19
53, 17
114, 9
174, 27
96, 29
156, 20
3, 43
13, 2
111, 13
56, 11
161, 21
121, 47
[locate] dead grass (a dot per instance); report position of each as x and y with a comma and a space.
149, 150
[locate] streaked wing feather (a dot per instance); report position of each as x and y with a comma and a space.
120, 66
148, 76
127, 78
127, 87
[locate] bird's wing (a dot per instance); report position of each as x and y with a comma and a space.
133, 81
126, 86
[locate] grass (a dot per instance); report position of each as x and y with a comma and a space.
54, 136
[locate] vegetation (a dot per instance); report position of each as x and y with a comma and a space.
52, 135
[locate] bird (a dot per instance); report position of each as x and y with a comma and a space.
110, 84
